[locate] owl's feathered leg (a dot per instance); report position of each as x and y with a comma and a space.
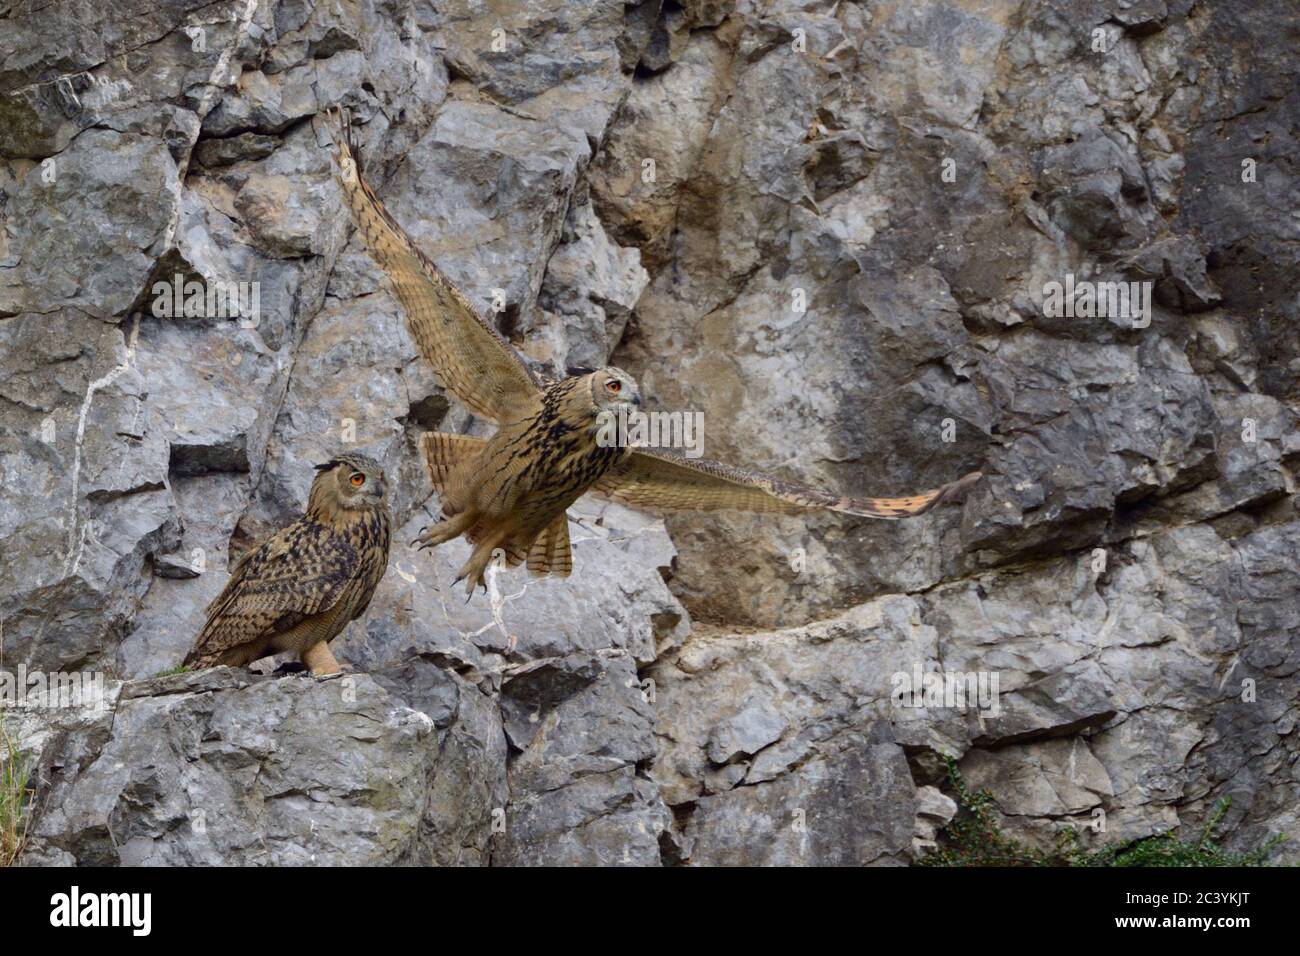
321, 660
444, 531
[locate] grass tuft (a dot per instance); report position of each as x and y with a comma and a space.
173, 671
974, 838
14, 775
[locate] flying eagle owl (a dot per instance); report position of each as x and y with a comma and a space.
300, 587
511, 491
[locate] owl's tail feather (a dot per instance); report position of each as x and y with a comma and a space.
550, 552
444, 451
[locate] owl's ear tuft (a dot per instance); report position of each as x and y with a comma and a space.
573, 371
326, 466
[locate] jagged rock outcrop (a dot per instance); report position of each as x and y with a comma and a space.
829, 227
223, 768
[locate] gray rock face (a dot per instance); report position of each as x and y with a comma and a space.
331, 772
834, 230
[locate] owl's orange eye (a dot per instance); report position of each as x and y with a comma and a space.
358, 480
614, 385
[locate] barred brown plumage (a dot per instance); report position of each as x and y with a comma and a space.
299, 588
511, 491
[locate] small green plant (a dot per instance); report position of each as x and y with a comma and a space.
13, 797
974, 838
1164, 849
171, 672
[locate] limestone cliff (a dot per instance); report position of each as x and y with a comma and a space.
831, 228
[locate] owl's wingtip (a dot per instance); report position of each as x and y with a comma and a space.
962, 486
338, 123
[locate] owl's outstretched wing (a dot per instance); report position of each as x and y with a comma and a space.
665, 481
470, 357
291, 576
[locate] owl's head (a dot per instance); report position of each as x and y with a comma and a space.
612, 387
348, 482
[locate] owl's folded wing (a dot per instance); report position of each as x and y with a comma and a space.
283, 581
470, 357
662, 480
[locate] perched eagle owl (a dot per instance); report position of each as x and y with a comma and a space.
300, 587
511, 491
